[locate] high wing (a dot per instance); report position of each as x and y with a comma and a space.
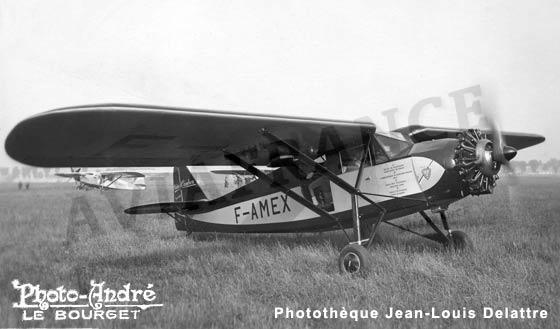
144, 136
419, 133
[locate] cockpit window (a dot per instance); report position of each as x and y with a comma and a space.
351, 159
394, 145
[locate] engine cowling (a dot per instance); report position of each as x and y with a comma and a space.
478, 161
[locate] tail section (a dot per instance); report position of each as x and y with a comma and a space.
185, 186
77, 170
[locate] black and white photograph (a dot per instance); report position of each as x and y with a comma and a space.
279, 164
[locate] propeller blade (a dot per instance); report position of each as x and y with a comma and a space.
497, 141
501, 152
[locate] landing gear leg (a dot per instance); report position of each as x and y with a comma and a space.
444, 223
456, 240
355, 259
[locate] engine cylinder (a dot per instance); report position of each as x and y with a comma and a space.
475, 163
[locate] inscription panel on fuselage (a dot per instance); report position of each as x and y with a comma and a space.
397, 176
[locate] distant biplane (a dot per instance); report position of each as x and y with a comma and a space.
329, 174
117, 180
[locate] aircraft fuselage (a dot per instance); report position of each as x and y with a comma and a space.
422, 179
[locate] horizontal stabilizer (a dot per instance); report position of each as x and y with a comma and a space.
104, 174
240, 171
70, 175
166, 207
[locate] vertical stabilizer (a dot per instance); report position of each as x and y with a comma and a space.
185, 186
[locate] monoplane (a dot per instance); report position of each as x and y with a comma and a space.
328, 174
103, 180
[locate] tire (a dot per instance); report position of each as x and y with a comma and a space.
460, 241
354, 259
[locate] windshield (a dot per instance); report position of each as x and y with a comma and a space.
394, 145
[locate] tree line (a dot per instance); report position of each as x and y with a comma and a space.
536, 166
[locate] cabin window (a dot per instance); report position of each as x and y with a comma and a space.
394, 146
351, 159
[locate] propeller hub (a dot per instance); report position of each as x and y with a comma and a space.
485, 161
509, 152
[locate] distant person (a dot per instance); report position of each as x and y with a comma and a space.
27, 186
19, 185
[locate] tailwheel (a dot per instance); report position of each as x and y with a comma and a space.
354, 259
459, 240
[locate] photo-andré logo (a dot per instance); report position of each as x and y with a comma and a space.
100, 303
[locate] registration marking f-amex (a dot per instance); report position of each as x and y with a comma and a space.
270, 206
293, 174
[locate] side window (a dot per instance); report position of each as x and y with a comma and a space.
317, 188
393, 146
353, 158
379, 155
349, 160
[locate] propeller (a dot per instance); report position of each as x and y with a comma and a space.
480, 154
501, 153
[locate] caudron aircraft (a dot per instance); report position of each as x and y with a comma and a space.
116, 180
328, 174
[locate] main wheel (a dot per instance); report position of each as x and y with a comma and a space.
459, 241
355, 260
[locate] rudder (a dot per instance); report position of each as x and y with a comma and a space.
185, 186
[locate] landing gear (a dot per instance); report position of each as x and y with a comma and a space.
354, 259
453, 240
458, 240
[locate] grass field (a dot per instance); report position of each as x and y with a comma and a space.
228, 281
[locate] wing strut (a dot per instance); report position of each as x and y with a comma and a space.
114, 180
352, 190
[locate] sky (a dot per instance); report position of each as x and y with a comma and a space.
327, 59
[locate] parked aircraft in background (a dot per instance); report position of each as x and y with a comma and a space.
117, 180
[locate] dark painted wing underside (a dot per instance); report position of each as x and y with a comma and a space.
132, 135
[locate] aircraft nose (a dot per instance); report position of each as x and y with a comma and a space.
509, 152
